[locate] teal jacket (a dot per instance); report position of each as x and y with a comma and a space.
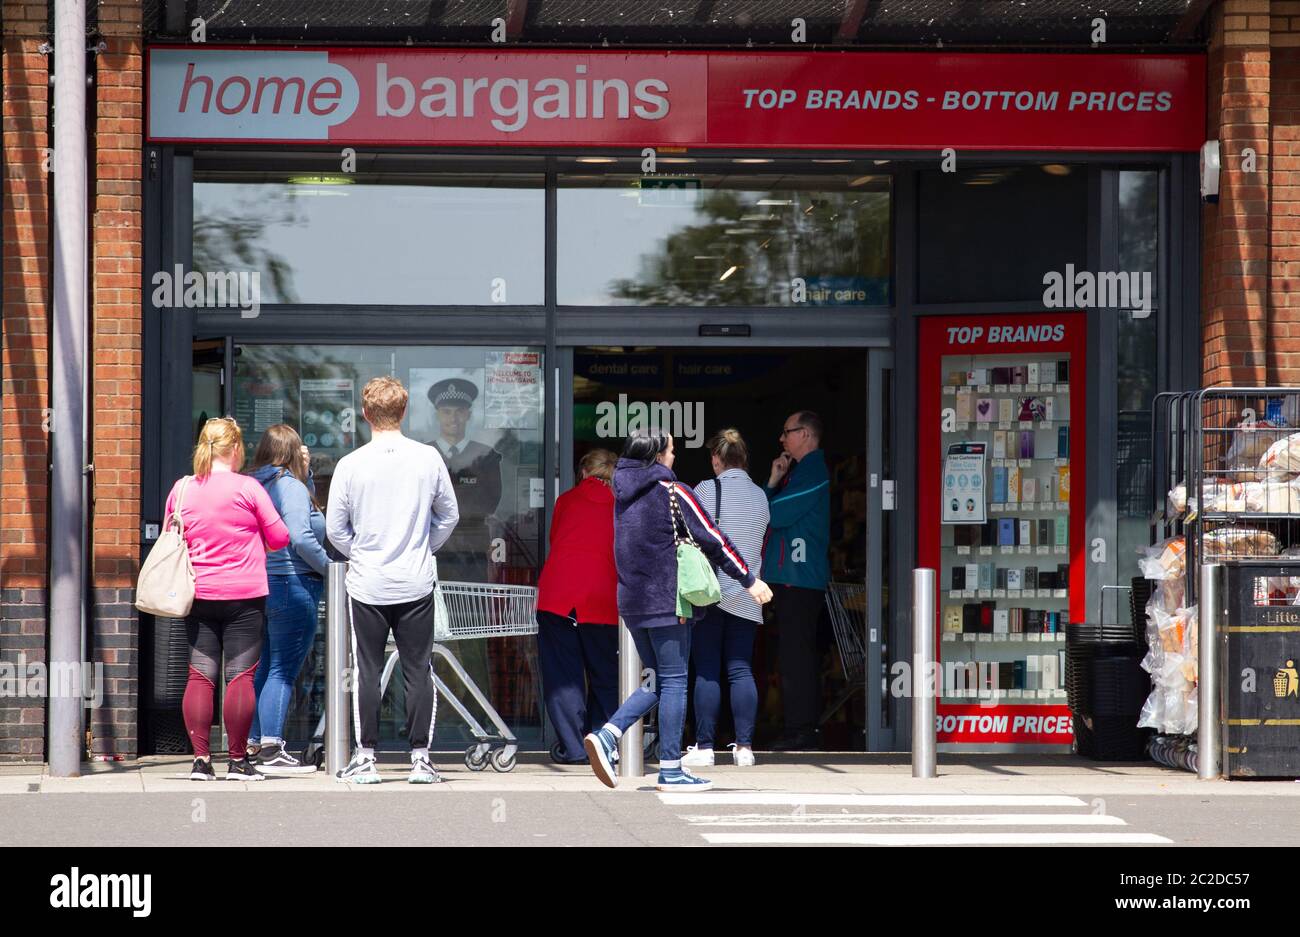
799, 532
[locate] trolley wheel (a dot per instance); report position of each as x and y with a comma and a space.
501, 761
474, 759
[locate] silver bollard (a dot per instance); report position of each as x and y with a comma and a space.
923, 690
1210, 627
631, 749
338, 735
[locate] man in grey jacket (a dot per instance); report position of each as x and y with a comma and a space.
391, 506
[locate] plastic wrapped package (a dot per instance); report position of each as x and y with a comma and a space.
1164, 560
1252, 440
1282, 457
1169, 593
1239, 541
1153, 712
1273, 496
1176, 501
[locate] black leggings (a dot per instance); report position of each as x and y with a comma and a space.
235, 627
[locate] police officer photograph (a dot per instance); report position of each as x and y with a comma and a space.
448, 424
475, 472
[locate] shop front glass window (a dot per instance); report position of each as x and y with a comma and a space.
482, 408
375, 238
990, 234
723, 239
1136, 366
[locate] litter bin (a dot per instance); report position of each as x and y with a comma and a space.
1259, 671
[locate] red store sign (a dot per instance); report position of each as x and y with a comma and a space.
869, 100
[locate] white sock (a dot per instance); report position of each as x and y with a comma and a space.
418, 753
272, 740
366, 752
613, 730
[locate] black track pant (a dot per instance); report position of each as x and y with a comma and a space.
798, 613
412, 626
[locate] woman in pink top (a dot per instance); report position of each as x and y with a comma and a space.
230, 524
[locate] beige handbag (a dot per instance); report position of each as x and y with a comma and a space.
166, 583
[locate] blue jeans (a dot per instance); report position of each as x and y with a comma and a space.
290, 631
667, 651
724, 639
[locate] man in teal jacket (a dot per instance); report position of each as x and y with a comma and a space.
796, 565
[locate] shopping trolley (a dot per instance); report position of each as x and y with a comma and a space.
464, 611
847, 604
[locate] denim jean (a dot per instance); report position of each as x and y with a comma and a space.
290, 630
667, 651
723, 641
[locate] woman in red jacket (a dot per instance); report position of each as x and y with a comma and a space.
577, 610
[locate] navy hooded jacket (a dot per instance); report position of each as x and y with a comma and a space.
644, 551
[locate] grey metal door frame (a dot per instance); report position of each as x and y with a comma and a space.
881, 497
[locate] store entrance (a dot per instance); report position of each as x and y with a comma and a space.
754, 391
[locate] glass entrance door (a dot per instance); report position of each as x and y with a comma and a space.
700, 391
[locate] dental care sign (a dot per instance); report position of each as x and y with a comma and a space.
876, 100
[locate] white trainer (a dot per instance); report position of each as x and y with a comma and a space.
744, 756
697, 757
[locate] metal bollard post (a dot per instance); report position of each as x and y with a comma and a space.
923, 691
1210, 625
631, 749
338, 735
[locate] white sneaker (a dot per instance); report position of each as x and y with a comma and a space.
361, 770
697, 757
744, 756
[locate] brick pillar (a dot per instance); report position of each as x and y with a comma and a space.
24, 372
115, 336
1235, 248
1284, 252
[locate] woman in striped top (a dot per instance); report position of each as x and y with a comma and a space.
725, 638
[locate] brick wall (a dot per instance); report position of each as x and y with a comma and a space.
114, 347
116, 257
24, 367
1251, 238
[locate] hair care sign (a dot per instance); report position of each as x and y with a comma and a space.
806, 100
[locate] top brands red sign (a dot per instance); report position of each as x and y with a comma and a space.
870, 100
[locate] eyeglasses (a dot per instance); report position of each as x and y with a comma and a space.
787, 430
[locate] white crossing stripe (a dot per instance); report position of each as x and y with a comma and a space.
934, 839
905, 819
765, 799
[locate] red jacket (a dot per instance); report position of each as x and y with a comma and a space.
579, 571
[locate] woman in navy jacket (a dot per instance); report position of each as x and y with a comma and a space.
645, 553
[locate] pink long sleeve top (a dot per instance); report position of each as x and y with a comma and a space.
230, 524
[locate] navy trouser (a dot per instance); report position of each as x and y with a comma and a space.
579, 677
723, 641
665, 649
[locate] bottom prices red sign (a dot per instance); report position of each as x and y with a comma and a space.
1026, 725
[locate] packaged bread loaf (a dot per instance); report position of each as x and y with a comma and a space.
1282, 458
1239, 541
1251, 441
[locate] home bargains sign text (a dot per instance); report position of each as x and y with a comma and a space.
870, 100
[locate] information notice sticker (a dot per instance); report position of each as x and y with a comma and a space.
963, 484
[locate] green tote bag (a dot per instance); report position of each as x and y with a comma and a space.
697, 583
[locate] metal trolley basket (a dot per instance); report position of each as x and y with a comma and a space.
465, 611
846, 602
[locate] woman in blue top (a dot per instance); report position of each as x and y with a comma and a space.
296, 576
645, 552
